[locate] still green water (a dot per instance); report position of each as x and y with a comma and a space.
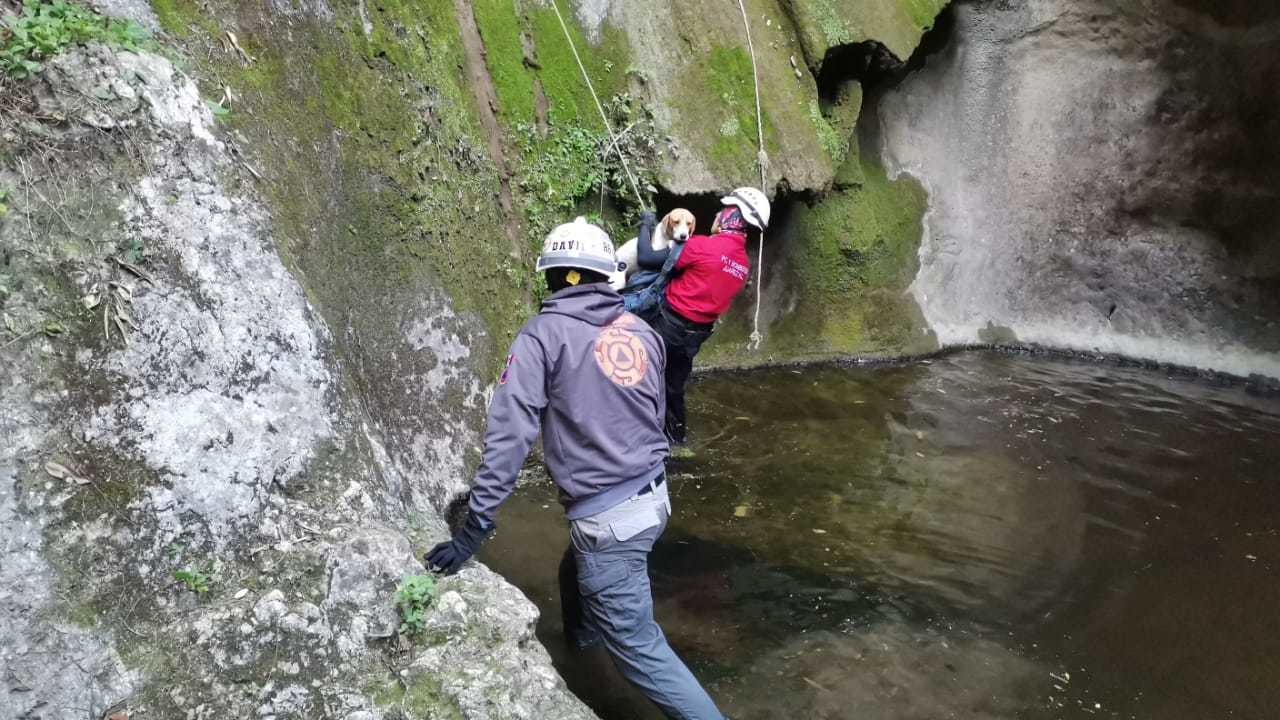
982, 536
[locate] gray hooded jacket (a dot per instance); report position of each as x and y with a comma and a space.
591, 376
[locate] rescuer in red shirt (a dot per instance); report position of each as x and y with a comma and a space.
709, 274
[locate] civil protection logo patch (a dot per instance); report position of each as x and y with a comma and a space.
621, 355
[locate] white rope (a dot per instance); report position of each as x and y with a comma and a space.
635, 187
762, 159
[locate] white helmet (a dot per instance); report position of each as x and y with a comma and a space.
753, 204
581, 245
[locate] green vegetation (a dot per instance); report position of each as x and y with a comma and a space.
724, 83
422, 697
197, 581
44, 29
500, 29
846, 268
855, 257
414, 598
514, 73
372, 157
833, 141
4, 204
565, 158
558, 174
898, 24
924, 12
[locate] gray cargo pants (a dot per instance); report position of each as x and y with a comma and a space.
611, 602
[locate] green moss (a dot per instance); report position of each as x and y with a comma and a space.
833, 25
726, 124
503, 22
897, 24
847, 265
423, 698
559, 166
181, 18
373, 159
833, 141
923, 13
562, 81
500, 29
856, 257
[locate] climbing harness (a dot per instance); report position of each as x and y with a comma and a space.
614, 139
642, 295
762, 159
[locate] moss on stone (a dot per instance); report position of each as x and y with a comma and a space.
182, 18
606, 62
897, 24
501, 30
833, 141
424, 697
373, 157
502, 23
725, 90
846, 268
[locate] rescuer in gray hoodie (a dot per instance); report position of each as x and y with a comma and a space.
589, 375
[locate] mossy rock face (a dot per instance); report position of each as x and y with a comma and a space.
896, 24
209, 483
359, 120
698, 71
837, 279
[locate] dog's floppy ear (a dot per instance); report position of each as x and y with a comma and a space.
667, 221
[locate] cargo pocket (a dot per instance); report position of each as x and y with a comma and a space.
598, 576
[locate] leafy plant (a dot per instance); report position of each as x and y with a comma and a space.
46, 28
414, 597
135, 251
197, 581
4, 205
570, 164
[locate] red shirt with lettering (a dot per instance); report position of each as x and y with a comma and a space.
711, 272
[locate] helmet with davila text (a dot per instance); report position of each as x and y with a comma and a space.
580, 245
753, 204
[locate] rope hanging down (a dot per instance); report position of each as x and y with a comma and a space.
614, 140
762, 158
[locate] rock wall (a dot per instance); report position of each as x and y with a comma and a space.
1102, 177
205, 514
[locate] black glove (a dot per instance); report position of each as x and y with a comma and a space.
447, 557
648, 218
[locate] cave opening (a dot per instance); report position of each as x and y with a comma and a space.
704, 207
874, 68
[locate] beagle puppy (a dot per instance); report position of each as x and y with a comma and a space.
676, 226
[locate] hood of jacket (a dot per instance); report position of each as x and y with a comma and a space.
597, 303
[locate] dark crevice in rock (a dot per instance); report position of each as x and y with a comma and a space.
867, 63
874, 66
704, 206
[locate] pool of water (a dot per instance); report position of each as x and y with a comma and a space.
981, 536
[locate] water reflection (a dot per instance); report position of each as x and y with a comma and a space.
982, 536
